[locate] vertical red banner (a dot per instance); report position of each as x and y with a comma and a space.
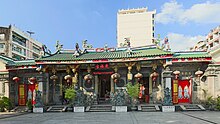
175, 91
31, 92
21, 95
184, 91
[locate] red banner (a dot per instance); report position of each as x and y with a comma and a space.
184, 91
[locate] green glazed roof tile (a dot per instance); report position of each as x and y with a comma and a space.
24, 62
191, 55
105, 55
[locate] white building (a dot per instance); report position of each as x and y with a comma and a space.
136, 25
17, 44
211, 85
211, 44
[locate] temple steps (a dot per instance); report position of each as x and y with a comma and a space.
149, 108
99, 108
192, 107
60, 108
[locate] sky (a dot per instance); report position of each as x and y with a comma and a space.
184, 22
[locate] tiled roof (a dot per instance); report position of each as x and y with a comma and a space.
6, 59
149, 52
192, 54
25, 62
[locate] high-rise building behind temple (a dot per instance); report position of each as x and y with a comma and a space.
137, 25
17, 44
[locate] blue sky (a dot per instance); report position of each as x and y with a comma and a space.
72, 21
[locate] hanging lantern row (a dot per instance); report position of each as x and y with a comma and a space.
16, 79
138, 76
176, 73
115, 77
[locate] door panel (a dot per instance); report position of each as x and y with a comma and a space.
184, 91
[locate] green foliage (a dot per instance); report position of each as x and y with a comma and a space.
210, 101
5, 104
70, 93
218, 103
133, 90
29, 104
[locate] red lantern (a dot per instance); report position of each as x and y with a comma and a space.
154, 76
33, 79
88, 77
115, 77
176, 73
68, 78
138, 76
198, 73
54, 78
16, 79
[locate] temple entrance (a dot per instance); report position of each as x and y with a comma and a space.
104, 87
145, 96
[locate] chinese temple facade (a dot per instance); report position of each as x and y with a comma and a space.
104, 70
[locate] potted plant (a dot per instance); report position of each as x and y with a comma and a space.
133, 92
29, 105
5, 104
70, 94
120, 100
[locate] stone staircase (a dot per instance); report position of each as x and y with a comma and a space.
19, 109
99, 108
149, 108
192, 107
60, 108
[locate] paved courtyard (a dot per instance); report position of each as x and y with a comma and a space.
116, 118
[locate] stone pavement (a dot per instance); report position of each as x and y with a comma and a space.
4, 115
116, 118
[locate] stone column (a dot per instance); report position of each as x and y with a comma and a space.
47, 89
112, 86
211, 86
150, 90
167, 103
6, 94
96, 84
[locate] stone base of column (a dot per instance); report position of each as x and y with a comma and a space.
38, 110
168, 108
121, 109
78, 109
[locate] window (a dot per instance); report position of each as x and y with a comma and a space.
152, 15
2, 45
2, 36
35, 49
19, 39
